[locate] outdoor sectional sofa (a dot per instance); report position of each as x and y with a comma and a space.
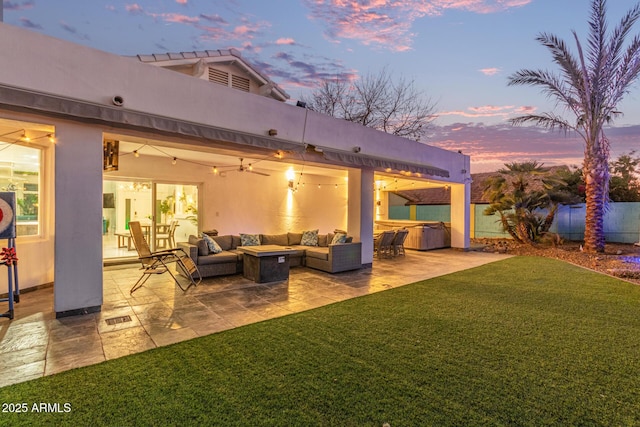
332, 258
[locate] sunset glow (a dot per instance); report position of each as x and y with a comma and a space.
458, 52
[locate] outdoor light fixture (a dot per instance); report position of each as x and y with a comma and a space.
273, 132
291, 175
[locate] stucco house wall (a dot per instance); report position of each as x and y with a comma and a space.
72, 88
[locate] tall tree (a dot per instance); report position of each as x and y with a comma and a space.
625, 184
377, 101
590, 86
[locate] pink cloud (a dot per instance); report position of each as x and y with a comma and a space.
490, 111
491, 146
284, 40
182, 1
134, 8
388, 24
176, 17
526, 109
490, 71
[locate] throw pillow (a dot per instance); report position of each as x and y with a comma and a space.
339, 238
309, 238
213, 246
250, 239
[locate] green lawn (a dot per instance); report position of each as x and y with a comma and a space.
525, 341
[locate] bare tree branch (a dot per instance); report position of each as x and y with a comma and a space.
377, 101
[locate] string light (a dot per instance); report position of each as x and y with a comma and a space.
215, 170
135, 153
25, 137
174, 161
51, 138
15, 131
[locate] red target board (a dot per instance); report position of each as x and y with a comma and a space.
7, 215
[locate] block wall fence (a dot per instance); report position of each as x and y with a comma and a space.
621, 221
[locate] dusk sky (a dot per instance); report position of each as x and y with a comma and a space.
459, 52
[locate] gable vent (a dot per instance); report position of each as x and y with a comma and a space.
240, 83
217, 76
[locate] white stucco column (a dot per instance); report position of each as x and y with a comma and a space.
78, 220
460, 215
360, 211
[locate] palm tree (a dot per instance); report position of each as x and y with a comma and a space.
526, 196
590, 85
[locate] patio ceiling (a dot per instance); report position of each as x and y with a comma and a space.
227, 159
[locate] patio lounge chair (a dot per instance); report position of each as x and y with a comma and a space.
158, 262
382, 245
397, 245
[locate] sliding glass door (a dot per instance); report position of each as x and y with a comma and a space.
177, 204
167, 212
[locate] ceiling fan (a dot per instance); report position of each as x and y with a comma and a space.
249, 168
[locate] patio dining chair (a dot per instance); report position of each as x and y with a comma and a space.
382, 245
167, 238
397, 246
158, 262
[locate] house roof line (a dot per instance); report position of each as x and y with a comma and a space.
232, 56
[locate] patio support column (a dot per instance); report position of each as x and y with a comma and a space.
78, 220
361, 211
460, 215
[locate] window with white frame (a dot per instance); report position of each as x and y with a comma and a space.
20, 172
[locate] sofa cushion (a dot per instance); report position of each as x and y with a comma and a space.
349, 239
224, 241
309, 238
203, 249
222, 257
330, 238
213, 246
239, 253
322, 240
338, 238
235, 242
274, 239
294, 238
318, 253
249, 239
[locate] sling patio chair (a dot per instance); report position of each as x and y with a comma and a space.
382, 245
158, 262
397, 246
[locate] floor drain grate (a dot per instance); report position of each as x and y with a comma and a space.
116, 320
